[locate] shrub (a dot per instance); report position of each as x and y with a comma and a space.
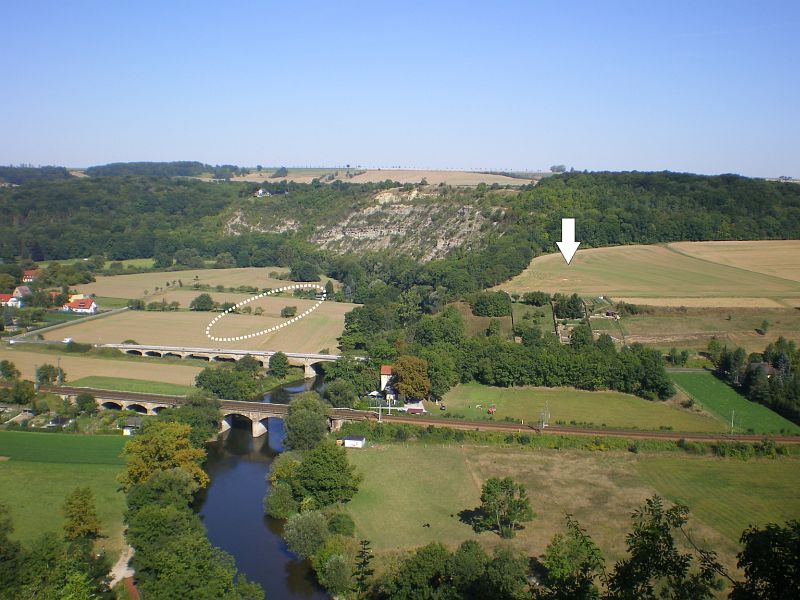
341, 524
279, 503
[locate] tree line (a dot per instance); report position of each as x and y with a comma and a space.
771, 378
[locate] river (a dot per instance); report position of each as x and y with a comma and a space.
232, 509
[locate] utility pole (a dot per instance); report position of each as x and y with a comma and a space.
733, 412
59, 377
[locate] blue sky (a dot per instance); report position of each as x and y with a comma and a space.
703, 86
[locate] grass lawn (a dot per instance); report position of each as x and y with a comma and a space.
122, 384
729, 495
43, 468
407, 486
720, 399
612, 409
474, 325
108, 302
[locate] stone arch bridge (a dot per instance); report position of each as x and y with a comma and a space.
309, 361
257, 413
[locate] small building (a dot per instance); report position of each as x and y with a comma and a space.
84, 306
58, 422
386, 375
30, 275
131, 425
21, 291
354, 441
10, 300
74, 297
261, 193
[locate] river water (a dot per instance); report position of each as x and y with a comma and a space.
232, 509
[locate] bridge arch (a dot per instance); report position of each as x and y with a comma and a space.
171, 355
134, 352
111, 405
154, 353
199, 357
137, 408
158, 409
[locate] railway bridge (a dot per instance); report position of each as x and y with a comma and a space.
257, 413
307, 360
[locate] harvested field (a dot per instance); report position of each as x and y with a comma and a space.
134, 286
316, 331
694, 327
652, 272
780, 258
77, 367
433, 177
707, 302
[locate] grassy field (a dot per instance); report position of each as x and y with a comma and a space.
567, 405
132, 385
694, 327
317, 331
655, 272
78, 367
771, 257
432, 485
721, 399
474, 325
728, 494
43, 468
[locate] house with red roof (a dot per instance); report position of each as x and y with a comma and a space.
10, 300
30, 275
82, 305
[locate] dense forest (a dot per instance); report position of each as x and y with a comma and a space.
181, 168
24, 174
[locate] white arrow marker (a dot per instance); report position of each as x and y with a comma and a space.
568, 245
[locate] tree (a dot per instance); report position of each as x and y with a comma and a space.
305, 533
504, 506
572, 562
171, 487
248, 364
771, 563
306, 423
363, 571
411, 377
329, 290
189, 257
279, 365
304, 271
654, 562
161, 446
81, 515
200, 411
288, 311
229, 383
203, 302
10, 552
7, 283
326, 475
340, 523
225, 260
337, 575
8, 371
467, 569
558, 168
86, 403
279, 503
581, 336
340, 394
48, 374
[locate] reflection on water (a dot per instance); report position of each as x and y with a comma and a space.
233, 513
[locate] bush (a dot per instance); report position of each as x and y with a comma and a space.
288, 311
305, 533
491, 304
279, 503
341, 524
77, 347
536, 298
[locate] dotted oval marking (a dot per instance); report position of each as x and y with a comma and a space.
269, 329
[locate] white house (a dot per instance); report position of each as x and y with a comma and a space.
84, 306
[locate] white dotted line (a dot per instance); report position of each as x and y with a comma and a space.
274, 327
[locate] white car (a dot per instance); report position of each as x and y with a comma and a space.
66, 340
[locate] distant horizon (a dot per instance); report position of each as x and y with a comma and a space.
543, 171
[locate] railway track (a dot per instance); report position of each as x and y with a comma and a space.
483, 425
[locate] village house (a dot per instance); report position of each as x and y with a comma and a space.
386, 383
10, 300
21, 291
83, 306
30, 276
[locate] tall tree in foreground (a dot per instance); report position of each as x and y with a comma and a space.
306, 422
572, 562
654, 567
411, 377
771, 563
80, 512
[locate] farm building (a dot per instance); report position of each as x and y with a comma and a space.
30, 276
131, 425
83, 306
354, 441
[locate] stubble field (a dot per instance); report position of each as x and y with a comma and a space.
648, 274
